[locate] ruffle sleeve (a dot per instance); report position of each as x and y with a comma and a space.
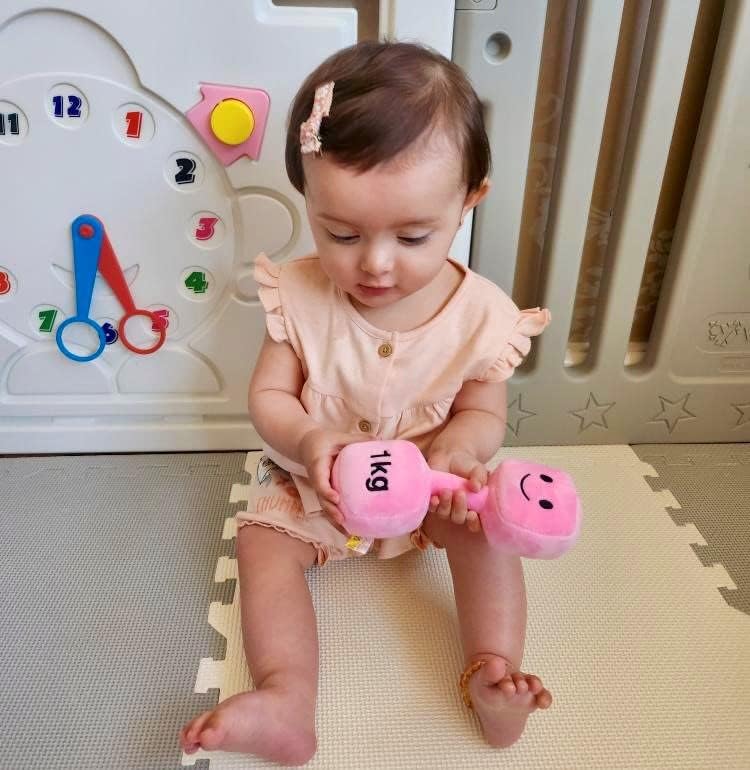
267, 273
530, 323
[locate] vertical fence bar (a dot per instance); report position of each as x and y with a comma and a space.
594, 48
660, 82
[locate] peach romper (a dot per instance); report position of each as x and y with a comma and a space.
361, 379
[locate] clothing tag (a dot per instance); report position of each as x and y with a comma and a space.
359, 544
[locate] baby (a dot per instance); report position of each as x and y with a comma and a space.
378, 333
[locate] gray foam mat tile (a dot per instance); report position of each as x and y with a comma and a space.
107, 568
711, 482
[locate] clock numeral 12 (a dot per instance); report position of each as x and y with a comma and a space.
134, 121
74, 106
163, 322
197, 282
47, 317
13, 123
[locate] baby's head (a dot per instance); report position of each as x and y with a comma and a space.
403, 157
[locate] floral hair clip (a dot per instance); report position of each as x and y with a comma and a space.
309, 136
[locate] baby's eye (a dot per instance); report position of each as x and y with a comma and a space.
342, 238
411, 241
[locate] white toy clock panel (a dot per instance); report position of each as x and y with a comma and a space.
142, 168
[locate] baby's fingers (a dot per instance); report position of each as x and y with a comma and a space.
473, 522
321, 481
441, 504
459, 512
478, 478
333, 513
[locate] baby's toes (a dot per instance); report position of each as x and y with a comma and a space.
535, 684
519, 680
507, 686
191, 731
544, 699
212, 735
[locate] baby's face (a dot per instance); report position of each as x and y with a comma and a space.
391, 226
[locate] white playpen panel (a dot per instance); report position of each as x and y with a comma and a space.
691, 383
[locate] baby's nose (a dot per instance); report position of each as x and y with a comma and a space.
377, 260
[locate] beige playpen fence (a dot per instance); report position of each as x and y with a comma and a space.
622, 180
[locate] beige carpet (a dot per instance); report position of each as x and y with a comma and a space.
648, 665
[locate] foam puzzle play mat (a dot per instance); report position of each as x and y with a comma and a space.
116, 634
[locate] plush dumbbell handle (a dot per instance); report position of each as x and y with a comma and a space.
439, 480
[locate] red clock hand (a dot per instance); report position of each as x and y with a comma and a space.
110, 268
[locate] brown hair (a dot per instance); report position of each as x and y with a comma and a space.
385, 96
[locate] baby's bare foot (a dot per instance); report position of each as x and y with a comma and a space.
270, 723
504, 701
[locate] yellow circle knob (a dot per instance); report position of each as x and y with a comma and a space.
232, 121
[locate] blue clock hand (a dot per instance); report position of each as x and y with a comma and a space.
88, 235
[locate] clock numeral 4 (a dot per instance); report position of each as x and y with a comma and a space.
163, 322
14, 125
197, 282
47, 318
74, 106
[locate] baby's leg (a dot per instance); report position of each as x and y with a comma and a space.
491, 606
276, 720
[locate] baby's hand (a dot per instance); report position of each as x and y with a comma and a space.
451, 504
319, 448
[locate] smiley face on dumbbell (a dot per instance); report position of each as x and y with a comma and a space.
543, 503
535, 491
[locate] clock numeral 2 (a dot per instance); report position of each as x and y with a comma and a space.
186, 173
197, 282
205, 229
134, 121
4, 278
163, 322
74, 106
13, 123
47, 318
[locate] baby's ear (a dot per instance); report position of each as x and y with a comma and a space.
475, 197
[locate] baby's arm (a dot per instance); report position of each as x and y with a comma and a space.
281, 420
477, 420
273, 399
471, 437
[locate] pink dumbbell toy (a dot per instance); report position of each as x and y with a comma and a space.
385, 487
